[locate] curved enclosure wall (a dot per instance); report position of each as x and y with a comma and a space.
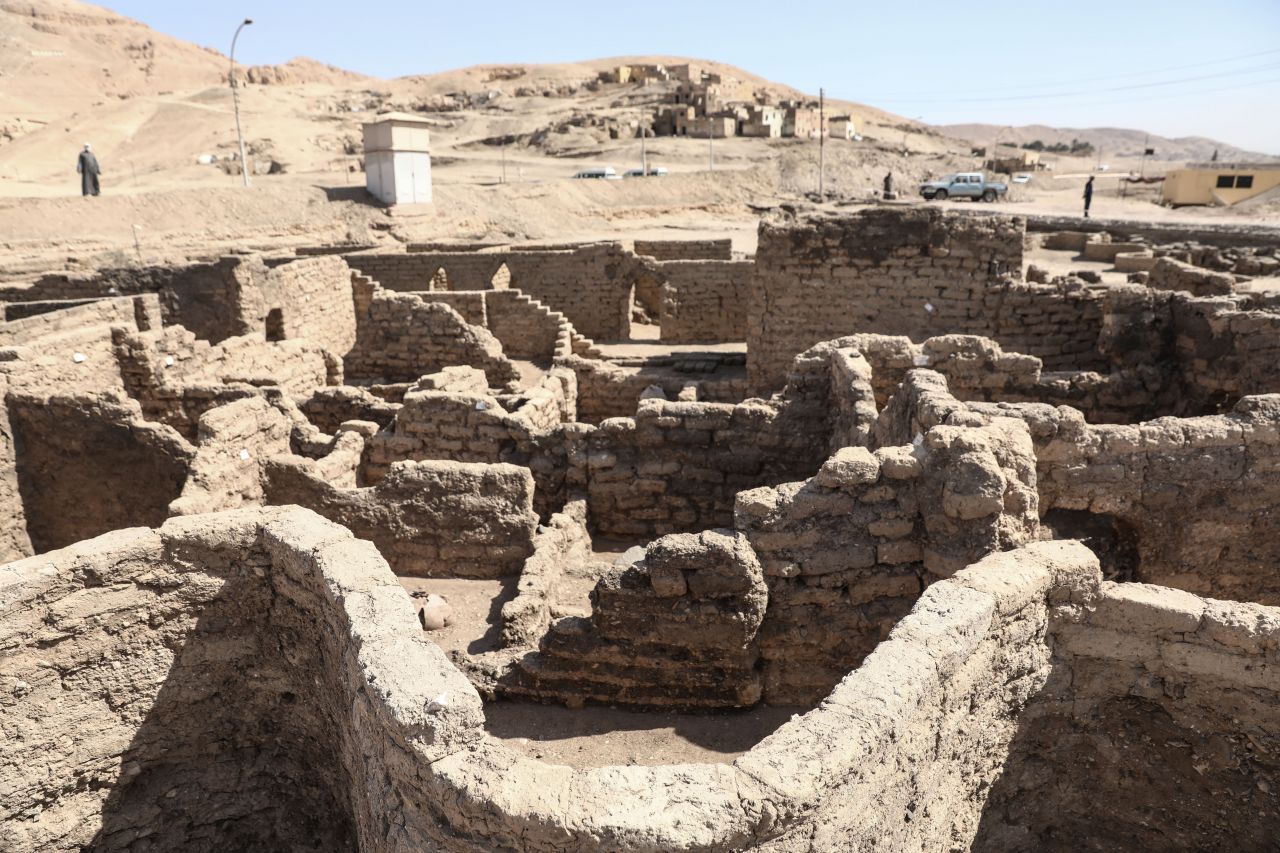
256, 680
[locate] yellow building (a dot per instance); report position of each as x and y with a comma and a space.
1220, 183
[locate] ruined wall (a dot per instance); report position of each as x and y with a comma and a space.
591, 285
847, 553
358, 732
562, 543
428, 519
71, 348
233, 441
329, 408
215, 300
686, 250
676, 467
14, 541
1156, 730
177, 378
1170, 274
676, 629
454, 417
1195, 495
525, 328
400, 337
917, 273
1225, 347
315, 302
608, 390
705, 301
89, 463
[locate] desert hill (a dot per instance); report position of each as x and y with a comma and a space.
1113, 141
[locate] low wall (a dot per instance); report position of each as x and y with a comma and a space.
136, 467
372, 740
917, 273
1169, 274
428, 519
705, 301
590, 284
400, 337
686, 250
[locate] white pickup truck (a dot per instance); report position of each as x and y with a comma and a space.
963, 185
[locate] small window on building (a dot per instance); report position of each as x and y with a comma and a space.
501, 279
1225, 182
275, 325
1244, 182
439, 280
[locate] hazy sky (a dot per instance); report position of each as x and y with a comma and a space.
1176, 68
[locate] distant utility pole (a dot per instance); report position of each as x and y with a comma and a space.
822, 141
235, 101
644, 156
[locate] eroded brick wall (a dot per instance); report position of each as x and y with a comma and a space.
705, 301
918, 273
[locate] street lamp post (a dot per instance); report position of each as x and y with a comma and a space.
235, 101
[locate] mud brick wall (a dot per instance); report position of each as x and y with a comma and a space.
428, 519
315, 301
233, 442
400, 337
591, 285
177, 377
564, 542
23, 310
686, 250
676, 467
705, 301
607, 390
951, 703
526, 328
847, 553
1153, 697
1194, 496
917, 273
677, 629
69, 492
14, 541
1226, 347
466, 424
470, 304
71, 349
1170, 274
328, 408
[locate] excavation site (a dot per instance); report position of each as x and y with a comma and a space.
914, 529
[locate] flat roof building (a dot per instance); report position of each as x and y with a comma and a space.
397, 159
1220, 183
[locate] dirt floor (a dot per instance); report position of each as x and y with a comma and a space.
601, 736
595, 736
477, 610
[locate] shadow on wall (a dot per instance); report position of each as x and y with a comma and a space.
236, 751
136, 468
1127, 773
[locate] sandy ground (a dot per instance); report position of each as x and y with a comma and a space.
600, 736
594, 736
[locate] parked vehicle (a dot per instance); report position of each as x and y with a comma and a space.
605, 173
963, 185
654, 172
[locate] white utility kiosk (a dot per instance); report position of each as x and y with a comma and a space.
397, 159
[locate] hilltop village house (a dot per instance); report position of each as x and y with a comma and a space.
704, 103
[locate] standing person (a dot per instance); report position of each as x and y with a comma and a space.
1088, 196
888, 185
87, 167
